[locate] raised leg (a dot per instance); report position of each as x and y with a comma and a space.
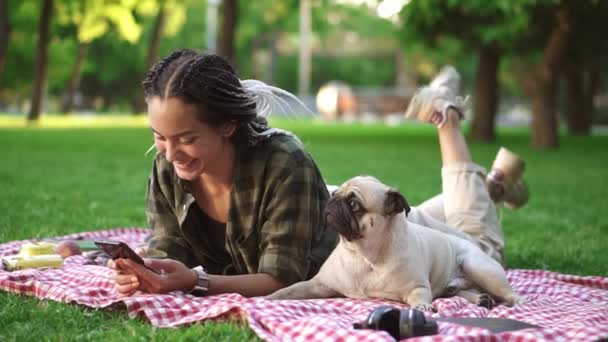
453, 146
466, 201
433, 207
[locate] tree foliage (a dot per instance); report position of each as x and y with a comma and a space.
94, 18
521, 34
350, 42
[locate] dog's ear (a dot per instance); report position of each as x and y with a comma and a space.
394, 203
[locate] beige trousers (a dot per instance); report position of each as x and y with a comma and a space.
464, 208
464, 205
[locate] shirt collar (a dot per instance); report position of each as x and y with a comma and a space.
183, 199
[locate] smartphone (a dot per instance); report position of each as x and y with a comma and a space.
120, 250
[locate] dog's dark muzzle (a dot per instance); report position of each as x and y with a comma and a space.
340, 218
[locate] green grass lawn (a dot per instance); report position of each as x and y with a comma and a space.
60, 178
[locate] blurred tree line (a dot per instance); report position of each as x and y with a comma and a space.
101, 49
532, 44
94, 53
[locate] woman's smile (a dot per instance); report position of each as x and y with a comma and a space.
184, 166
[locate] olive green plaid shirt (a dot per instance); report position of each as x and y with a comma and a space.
275, 223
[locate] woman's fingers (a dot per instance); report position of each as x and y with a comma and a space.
172, 275
124, 279
148, 280
128, 289
142, 251
111, 264
126, 284
133, 267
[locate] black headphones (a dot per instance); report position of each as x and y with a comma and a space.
398, 323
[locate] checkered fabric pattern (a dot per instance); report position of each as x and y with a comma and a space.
567, 307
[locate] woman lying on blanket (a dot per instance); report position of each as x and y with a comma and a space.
226, 192
236, 206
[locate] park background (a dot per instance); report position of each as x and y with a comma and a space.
74, 133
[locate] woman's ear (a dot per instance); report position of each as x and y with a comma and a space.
227, 129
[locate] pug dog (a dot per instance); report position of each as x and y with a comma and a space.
382, 255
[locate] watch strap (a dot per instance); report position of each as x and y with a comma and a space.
202, 282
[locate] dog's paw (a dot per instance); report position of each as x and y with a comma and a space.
425, 307
486, 301
514, 300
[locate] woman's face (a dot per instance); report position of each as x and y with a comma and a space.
190, 145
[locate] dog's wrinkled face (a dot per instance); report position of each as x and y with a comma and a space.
362, 206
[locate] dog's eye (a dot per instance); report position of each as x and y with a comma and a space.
354, 205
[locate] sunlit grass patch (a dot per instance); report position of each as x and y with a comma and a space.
74, 121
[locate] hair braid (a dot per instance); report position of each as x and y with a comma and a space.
210, 80
188, 76
209, 83
150, 82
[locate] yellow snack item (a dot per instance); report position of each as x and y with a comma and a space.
37, 248
18, 262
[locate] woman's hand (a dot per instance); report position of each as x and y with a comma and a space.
173, 275
141, 251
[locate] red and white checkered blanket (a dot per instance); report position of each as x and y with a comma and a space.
567, 307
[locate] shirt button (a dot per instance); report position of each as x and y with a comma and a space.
184, 207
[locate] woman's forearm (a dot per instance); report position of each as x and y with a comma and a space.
247, 285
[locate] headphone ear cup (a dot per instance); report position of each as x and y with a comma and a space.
385, 318
406, 330
389, 321
413, 323
375, 317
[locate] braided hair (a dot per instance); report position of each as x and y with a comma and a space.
211, 84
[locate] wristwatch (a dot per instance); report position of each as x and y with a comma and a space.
202, 283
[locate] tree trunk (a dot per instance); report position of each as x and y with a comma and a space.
157, 32
228, 27
486, 95
152, 56
593, 84
5, 30
73, 83
545, 124
542, 85
274, 57
401, 75
305, 50
41, 64
581, 86
253, 47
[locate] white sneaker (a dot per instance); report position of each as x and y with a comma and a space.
436, 98
505, 181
